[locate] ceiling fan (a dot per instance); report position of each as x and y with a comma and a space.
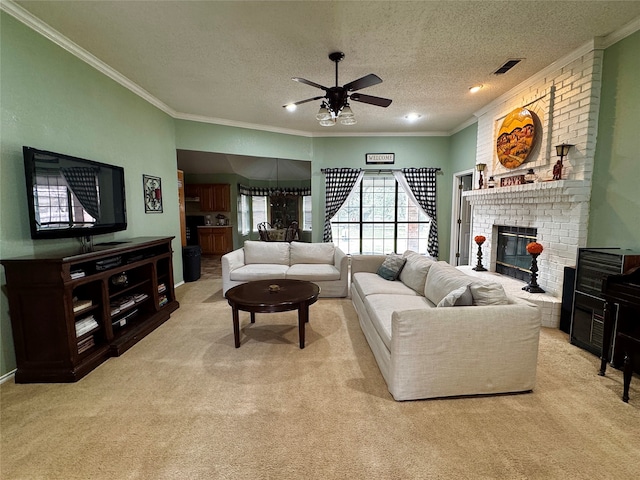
336, 99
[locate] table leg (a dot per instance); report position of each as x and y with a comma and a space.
236, 326
303, 318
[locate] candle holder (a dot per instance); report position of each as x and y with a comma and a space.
534, 249
479, 239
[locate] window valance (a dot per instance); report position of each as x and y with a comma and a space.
269, 191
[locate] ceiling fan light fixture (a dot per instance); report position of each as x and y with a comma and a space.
323, 114
412, 117
475, 88
330, 122
291, 107
348, 121
346, 112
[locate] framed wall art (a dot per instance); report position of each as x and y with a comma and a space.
152, 188
515, 138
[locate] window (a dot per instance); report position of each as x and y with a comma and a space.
244, 218
378, 217
306, 213
258, 211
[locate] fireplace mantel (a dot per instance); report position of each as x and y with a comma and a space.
567, 191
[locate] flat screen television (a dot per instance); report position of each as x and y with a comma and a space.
73, 197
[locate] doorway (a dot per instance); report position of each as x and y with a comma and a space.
461, 219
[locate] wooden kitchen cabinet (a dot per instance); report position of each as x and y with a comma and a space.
213, 197
215, 240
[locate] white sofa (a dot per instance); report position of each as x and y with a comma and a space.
321, 263
485, 343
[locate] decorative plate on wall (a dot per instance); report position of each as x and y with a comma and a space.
515, 138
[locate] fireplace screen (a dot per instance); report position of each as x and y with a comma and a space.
512, 258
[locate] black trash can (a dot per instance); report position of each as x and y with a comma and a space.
191, 263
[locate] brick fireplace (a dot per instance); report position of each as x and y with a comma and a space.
565, 98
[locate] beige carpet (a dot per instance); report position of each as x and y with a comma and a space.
185, 404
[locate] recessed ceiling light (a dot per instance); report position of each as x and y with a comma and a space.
291, 107
475, 88
412, 117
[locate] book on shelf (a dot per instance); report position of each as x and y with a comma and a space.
85, 344
139, 297
79, 305
77, 274
126, 302
161, 288
85, 325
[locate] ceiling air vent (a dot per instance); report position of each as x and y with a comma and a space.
509, 64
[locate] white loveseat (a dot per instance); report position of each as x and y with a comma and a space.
321, 263
483, 343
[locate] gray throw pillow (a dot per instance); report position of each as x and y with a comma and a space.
392, 266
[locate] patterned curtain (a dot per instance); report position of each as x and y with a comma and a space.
338, 185
422, 182
268, 191
83, 183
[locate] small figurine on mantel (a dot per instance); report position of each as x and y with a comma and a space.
557, 170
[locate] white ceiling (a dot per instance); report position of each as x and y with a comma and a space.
232, 61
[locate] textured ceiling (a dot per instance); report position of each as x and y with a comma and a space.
232, 62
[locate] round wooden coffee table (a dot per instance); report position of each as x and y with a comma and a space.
269, 296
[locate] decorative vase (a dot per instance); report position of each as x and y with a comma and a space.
534, 249
479, 239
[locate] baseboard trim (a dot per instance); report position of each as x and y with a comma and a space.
7, 376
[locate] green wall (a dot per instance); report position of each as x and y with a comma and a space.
463, 149
50, 99
615, 197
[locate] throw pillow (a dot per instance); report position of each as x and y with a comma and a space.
414, 272
452, 299
488, 294
391, 267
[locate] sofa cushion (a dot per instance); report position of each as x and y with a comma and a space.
414, 272
443, 279
266, 252
313, 272
391, 267
312, 253
371, 283
488, 293
258, 271
380, 308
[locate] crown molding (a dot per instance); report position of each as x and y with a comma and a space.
233, 123
630, 28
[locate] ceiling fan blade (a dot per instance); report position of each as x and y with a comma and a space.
363, 82
310, 83
379, 101
304, 101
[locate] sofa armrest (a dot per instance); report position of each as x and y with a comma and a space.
366, 263
464, 350
231, 261
341, 262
